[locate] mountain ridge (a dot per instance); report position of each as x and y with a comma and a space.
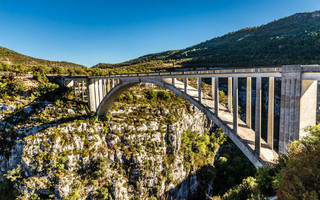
290, 40
11, 57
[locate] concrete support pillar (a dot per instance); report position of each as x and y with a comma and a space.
74, 88
96, 93
104, 87
173, 82
82, 89
216, 96
186, 85
258, 117
212, 88
100, 90
230, 94
108, 85
79, 88
112, 83
91, 96
199, 90
270, 113
248, 105
235, 104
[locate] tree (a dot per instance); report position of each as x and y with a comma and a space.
300, 177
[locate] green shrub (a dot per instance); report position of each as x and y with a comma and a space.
150, 94
17, 86
223, 98
3, 87
163, 95
246, 190
44, 89
264, 179
103, 193
39, 73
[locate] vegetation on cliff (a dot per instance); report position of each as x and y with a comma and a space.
51, 147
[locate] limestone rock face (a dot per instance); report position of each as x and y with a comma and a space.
86, 159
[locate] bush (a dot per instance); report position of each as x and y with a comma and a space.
265, 178
103, 193
3, 88
128, 96
163, 95
246, 190
44, 88
17, 86
150, 94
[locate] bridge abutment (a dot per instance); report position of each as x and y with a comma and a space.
298, 105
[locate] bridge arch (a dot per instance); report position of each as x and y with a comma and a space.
107, 102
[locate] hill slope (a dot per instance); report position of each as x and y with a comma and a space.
290, 40
11, 57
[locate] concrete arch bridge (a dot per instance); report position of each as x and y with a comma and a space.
297, 109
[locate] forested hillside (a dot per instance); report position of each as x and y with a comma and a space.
291, 40
10, 57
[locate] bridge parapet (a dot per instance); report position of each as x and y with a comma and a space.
298, 101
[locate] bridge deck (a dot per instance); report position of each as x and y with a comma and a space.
246, 134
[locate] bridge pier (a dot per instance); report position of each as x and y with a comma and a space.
258, 117
248, 103
235, 105
212, 88
199, 90
82, 89
91, 95
100, 90
108, 85
216, 96
186, 85
112, 83
104, 88
96, 92
270, 128
230, 94
74, 88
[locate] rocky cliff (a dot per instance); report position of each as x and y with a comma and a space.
149, 146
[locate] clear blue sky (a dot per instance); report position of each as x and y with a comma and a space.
91, 31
